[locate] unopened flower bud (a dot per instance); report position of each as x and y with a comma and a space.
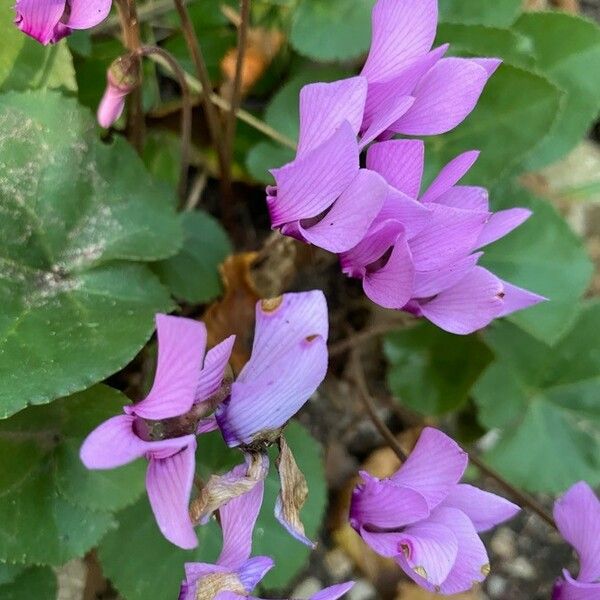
122, 78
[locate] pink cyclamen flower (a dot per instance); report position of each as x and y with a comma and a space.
184, 377
420, 256
48, 21
577, 516
426, 520
122, 78
235, 574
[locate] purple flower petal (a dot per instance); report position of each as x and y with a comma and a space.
181, 346
384, 543
570, 589
502, 223
489, 64
450, 175
471, 304
39, 18
207, 425
169, 483
516, 298
402, 30
444, 97
213, 371
400, 162
333, 592
486, 510
325, 106
385, 504
466, 197
351, 215
434, 467
431, 283
390, 110
85, 14
238, 517
111, 105
413, 216
251, 573
577, 516
310, 184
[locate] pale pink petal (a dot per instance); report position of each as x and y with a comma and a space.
399, 207
570, 589
402, 30
486, 510
85, 14
181, 346
430, 283
577, 516
111, 105
471, 304
389, 111
207, 425
384, 543
434, 467
350, 217
400, 162
253, 570
450, 175
310, 184
333, 592
466, 197
502, 223
325, 106
444, 97
39, 18
516, 298
489, 64
213, 371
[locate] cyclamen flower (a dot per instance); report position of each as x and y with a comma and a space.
121, 79
419, 256
235, 574
428, 522
577, 516
48, 21
184, 377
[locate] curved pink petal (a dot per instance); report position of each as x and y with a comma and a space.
333, 592
384, 543
169, 483
467, 198
431, 283
213, 371
413, 216
391, 286
486, 510
571, 589
85, 14
238, 517
450, 235
390, 110
450, 175
350, 217
471, 304
516, 298
385, 505
181, 346
577, 516
253, 570
402, 30
489, 64
207, 425
434, 467
400, 163
39, 18
111, 105
444, 97
310, 184
325, 106
502, 223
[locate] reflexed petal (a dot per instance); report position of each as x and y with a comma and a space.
466, 197
400, 162
577, 516
402, 30
238, 517
252, 571
181, 346
450, 175
87, 13
431, 283
450, 235
111, 105
38, 18
571, 589
388, 112
413, 215
349, 219
310, 184
213, 371
385, 544
391, 286
325, 106
516, 298
385, 504
169, 483
489, 64
333, 592
207, 425
444, 97
502, 223
471, 304
434, 467
486, 510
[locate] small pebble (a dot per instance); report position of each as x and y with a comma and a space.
307, 588
496, 586
362, 590
503, 543
521, 568
338, 564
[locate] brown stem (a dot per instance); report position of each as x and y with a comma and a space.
186, 116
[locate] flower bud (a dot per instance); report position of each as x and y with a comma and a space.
122, 78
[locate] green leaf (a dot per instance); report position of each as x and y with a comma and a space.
328, 30
545, 256
27, 65
432, 371
193, 274
162, 155
567, 51
71, 211
499, 13
516, 110
543, 400
266, 156
161, 563
52, 508
37, 583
